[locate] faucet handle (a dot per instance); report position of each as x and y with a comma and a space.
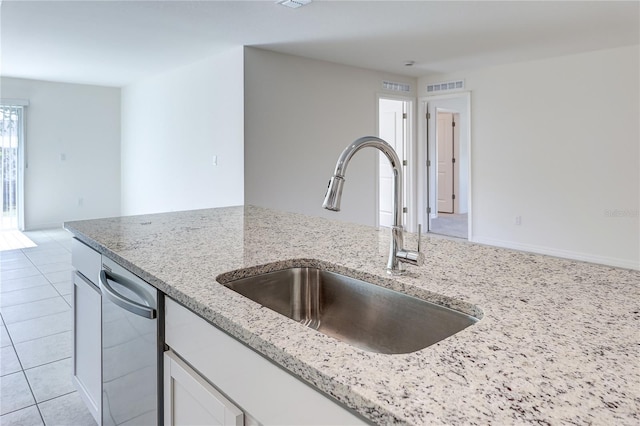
412, 257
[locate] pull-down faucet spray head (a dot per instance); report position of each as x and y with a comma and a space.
334, 194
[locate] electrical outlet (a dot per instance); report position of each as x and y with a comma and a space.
518, 220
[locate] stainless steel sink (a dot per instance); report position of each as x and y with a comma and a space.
362, 314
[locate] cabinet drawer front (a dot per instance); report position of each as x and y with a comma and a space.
86, 260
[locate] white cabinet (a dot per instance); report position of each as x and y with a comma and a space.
87, 341
190, 400
266, 394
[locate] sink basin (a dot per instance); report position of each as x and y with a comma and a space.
362, 314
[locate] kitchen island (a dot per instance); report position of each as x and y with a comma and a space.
557, 340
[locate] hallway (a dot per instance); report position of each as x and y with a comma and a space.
453, 225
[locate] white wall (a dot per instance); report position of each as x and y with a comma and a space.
172, 126
557, 142
83, 123
299, 116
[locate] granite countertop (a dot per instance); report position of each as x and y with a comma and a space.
557, 341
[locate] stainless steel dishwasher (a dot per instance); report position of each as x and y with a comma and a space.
132, 344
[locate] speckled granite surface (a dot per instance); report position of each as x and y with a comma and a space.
558, 342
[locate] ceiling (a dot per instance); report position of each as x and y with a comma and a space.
115, 43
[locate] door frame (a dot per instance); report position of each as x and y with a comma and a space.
454, 152
410, 175
22, 165
425, 179
21, 105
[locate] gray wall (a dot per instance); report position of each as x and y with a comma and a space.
299, 116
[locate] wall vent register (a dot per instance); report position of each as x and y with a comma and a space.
396, 87
447, 85
293, 4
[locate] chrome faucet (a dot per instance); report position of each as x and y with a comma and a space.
397, 254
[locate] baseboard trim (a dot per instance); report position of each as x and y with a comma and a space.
44, 226
565, 254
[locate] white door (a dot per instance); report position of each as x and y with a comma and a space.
392, 129
444, 129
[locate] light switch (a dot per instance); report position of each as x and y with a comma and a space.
63, 156
215, 160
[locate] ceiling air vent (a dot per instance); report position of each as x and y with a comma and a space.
447, 85
293, 4
396, 87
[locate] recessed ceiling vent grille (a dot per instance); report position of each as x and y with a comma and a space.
447, 85
293, 4
396, 87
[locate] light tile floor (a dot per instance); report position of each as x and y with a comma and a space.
14, 239
36, 336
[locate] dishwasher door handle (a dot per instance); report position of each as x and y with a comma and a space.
123, 301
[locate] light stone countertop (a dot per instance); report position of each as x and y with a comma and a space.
558, 342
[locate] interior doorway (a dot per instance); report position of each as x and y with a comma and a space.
394, 127
447, 184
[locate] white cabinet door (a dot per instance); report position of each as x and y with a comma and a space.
87, 343
191, 400
260, 388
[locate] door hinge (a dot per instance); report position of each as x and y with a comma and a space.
428, 163
453, 196
428, 116
404, 115
428, 209
404, 210
453, 124
453, 160
404, 162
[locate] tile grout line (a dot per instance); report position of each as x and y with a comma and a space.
22, 370
24, 375
46, 363
65, 300
56, 397
31, 319
32, 301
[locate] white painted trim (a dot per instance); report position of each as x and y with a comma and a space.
421, 159
19, 106
14, 102
47, 225
565, 254
411, 175
410, 154
22, 166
